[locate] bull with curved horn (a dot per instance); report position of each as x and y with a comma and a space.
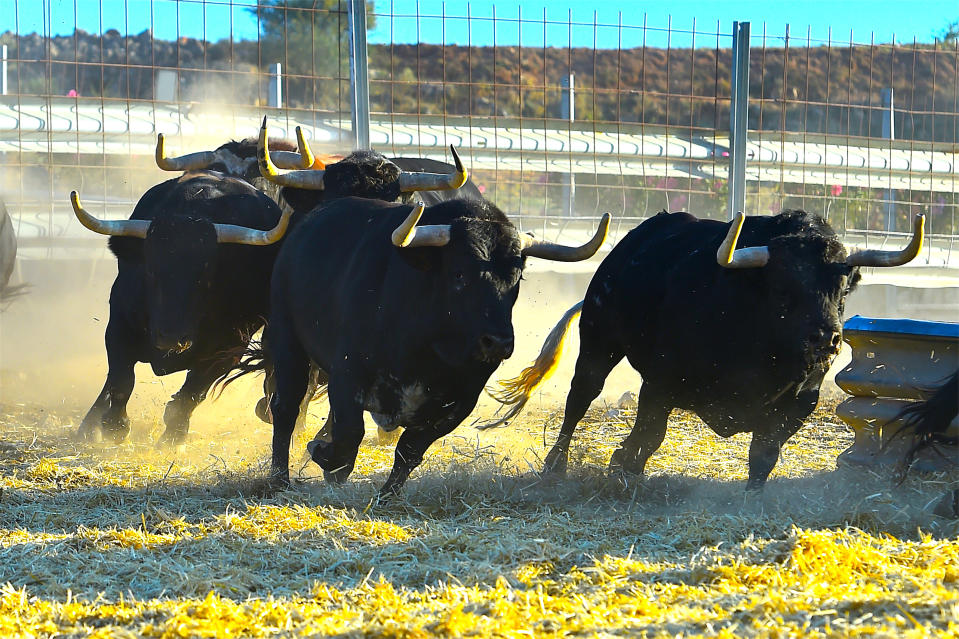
410, 332
743, 336
194, 264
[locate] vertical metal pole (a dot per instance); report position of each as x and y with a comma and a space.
888, 133
739, 104
3, 70
274, 92
567, 111
359, 74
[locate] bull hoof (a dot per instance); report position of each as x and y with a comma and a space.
279, 479
115, 433
171, 439
338, 476
623, 463
556, 463
262, 410
334, 471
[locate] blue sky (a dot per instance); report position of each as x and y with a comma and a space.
671, 20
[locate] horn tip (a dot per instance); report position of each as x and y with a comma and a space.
263, 126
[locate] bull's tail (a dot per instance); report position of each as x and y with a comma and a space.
515, 392
932, 422
251, 358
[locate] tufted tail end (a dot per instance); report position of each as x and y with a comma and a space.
516, 391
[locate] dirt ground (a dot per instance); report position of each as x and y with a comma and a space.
130, 540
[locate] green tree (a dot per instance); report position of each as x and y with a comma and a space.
310, 39
950, 34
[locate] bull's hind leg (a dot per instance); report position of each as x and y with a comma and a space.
649, 431
180, 408
291, 370
593, 365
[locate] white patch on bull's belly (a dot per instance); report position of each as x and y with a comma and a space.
412, 397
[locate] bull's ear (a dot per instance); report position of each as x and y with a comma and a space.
126, 248
422, 258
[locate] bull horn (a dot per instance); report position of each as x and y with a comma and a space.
119, 228
874, 257
233, 234
415, 181
559, 253
408, 235
728, 256
303, 159
188, 162
304, 179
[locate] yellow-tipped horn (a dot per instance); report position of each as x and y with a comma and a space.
728, 256
119, 228
188, 162
304, 179
416, 181
873, 257
561, 253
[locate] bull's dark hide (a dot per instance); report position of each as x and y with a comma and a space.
409, 334
180, 300
746, 349
178, 288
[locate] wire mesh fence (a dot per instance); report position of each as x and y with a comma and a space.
559, 116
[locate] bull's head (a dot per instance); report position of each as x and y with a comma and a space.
478, 261
179, 259
806, 279
363, 174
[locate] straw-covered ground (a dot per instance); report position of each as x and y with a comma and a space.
131, 541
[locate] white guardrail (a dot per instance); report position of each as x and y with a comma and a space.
129, 128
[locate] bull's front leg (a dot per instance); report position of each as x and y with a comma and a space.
337, 456
109, 410
413, 444
764, 450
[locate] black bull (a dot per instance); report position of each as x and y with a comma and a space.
407, 322
186, 292
742, 337
186, 296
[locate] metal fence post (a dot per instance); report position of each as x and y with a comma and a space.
359, 74
567, 111
274, 92
888, 133
739, 103
3, 71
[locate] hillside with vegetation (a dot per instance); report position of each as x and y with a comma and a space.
817, 89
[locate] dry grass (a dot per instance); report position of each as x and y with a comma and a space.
131, 541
